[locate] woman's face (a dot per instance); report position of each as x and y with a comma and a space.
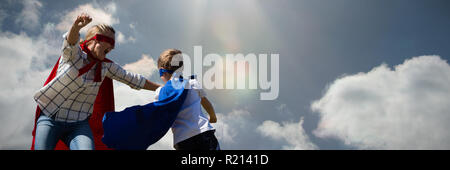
99, 49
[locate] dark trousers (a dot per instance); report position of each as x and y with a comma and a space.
203, 141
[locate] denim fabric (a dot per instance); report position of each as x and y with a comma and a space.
76, 135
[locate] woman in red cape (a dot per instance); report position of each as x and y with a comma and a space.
103, 103
71, 106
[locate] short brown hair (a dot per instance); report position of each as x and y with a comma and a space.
165, 59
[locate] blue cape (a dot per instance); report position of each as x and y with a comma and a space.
138, 127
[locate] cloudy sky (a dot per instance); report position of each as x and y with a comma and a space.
353, 74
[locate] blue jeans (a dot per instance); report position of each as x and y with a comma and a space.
77, 135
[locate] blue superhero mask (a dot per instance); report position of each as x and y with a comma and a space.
162, 71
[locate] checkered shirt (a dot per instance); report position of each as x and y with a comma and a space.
69, 98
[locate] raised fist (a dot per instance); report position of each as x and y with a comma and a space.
82, 20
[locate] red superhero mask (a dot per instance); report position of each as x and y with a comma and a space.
95, 61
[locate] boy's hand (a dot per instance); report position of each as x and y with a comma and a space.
213, 119
82, 20
210, 109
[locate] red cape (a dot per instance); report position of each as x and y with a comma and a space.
103, 103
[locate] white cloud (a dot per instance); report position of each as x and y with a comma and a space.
407, 107
99, 15
238, 130
132, 26
292, 133
22, 73
229, 125
30, 15
126, 96
145, 66
121, 38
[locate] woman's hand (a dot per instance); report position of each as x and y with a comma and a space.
82, 20
150, 85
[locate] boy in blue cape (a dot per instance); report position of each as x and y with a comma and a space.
178, 106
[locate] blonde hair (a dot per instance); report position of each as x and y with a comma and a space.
98, 29
165, 59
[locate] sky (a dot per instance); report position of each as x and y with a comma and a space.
353, 74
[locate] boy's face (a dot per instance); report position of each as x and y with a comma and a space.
165, 77
99, 48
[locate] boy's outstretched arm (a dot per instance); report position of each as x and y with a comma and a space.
210, 109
